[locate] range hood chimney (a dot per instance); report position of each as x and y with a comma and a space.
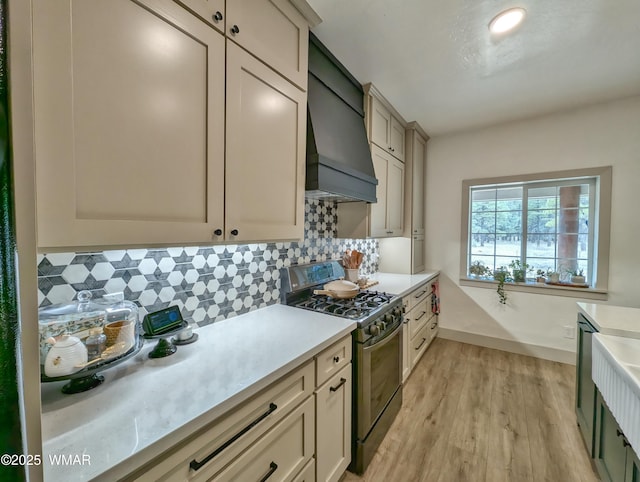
339, 165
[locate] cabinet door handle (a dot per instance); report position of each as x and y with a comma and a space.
419, 295
434, 326
272, 468
618, 432
235, 30
217, 16
337, 387
421, 343
421, 315
234, 232
336, 359
218, 232
195, 465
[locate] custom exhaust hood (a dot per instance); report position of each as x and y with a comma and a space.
339, 165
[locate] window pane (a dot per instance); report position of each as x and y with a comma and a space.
583, 246
483, 200
583, 226
504, 261
544, 264
509, 245
509, 222
542, 198
541, 221
509, 199
541, 245
484, 260
483, 223
483, 244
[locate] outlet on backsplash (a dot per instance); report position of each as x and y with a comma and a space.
207, 283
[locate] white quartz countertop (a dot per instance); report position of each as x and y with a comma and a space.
145, 406
612, 320
400, 284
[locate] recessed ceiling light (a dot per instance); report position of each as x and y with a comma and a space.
507, 20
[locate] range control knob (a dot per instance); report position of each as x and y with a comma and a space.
374, 330
388, 318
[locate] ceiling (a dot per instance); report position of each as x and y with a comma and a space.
437, 63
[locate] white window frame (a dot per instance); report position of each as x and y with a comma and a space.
599, 235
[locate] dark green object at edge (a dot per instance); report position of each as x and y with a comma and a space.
10, 430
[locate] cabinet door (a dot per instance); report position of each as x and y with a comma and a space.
380, 125
632, 473
417, 254
396, 139
378, 211
275, 32
129, 124
211, 11
418, 185
585, 388
266, 128
395, 197
406, 363
333, 427
610, 453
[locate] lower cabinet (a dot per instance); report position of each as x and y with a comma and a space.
333, 426
585, 388
615, 459
297, 429
420, 327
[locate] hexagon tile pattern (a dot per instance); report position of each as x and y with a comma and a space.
207, 283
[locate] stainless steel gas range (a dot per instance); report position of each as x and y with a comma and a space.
377, 348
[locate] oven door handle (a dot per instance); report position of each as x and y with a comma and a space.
383, 341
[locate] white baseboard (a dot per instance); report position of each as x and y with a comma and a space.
546, 353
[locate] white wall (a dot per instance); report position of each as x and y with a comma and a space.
599, 135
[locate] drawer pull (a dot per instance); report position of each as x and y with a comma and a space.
619, 432
195, 465
272, 468
625, 442
422, 343
420, 295
421, 315
336, 359
337, 387
434, 326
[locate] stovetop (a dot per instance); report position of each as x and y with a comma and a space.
364, 306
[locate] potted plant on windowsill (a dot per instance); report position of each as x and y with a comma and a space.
479, 270
519, 270
577, 277
501, 275
541, 276
553, 276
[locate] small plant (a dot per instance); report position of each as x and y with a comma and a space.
502, 275
578, 272
553, 276
479, 270
541, 276
519, 270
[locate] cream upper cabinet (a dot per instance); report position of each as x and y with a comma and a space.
386, 216
211, 11
386, 131
418, 180
275, 32
265, 159
130, 127
129, 123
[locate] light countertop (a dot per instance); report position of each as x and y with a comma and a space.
400, 284
146, 406
612, 320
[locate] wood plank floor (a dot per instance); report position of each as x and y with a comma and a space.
476, 414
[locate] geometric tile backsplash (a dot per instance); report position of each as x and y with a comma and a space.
207, 283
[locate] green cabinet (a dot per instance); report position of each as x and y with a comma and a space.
633, 466
615, 459
585, 388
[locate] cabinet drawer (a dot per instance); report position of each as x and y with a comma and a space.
331, 360
230, 435
419, 294
419, 344
418, 317
279, 455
